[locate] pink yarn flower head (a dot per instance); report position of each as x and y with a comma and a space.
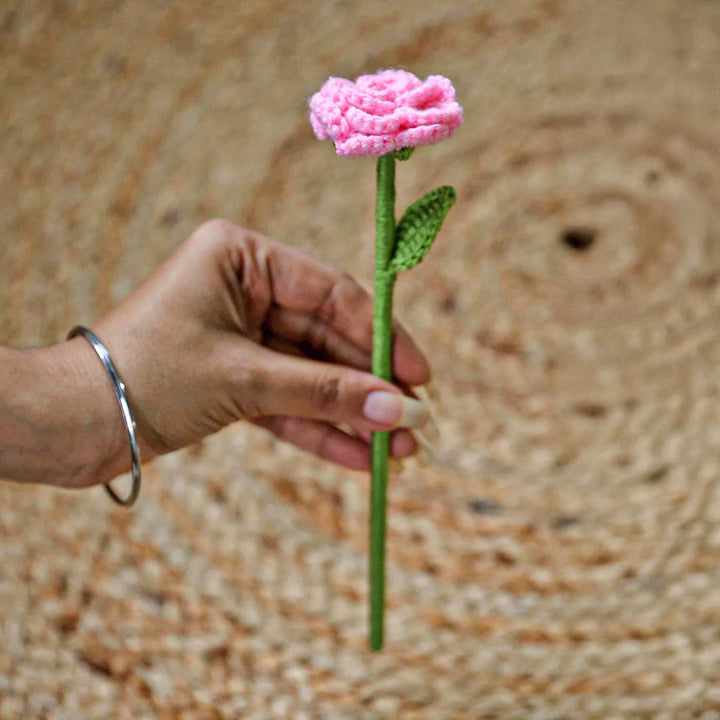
387, 111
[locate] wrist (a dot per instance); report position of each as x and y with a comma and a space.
62, 417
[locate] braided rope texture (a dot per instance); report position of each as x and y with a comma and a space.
557, 555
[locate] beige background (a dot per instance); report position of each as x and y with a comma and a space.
558, 555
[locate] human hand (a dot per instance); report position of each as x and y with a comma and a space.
236, 326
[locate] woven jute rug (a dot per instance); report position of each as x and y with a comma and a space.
557, 552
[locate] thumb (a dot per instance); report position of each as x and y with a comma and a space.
293, 386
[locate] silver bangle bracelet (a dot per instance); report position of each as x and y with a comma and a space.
119, 388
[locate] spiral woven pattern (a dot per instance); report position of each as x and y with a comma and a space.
557, 553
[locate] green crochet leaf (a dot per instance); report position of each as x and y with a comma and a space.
419, 226
403, 153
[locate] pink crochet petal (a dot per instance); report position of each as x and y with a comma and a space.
417, 136
318, 127
369, 103
365, 145
407, 118
326, 117
367, 124
335, 88
387, 85
442, 83
436, 89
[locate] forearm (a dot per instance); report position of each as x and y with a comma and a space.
59, 420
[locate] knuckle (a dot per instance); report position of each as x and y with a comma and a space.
256, 274
214, 238
246, 408
327, 390
340, 291
347, 295
315, 336
352, 291
216, 229
248, 388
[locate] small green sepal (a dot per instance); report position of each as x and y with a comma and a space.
403, 153
419, 226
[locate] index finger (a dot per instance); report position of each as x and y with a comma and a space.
301, 283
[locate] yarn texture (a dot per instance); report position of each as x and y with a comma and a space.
419, 227
387, 111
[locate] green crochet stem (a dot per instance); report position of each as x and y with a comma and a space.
381, 367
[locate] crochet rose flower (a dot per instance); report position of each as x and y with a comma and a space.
388, 115
387, 111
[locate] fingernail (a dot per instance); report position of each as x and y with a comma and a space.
430, 396
394, 409
414, 413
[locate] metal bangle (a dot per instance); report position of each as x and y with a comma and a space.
119, 388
